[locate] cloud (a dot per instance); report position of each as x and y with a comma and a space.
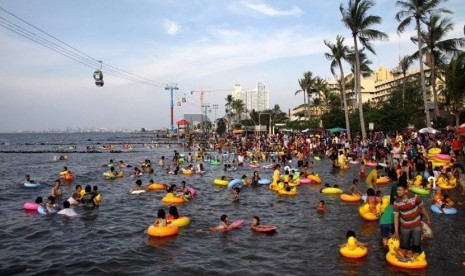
171, 27
270, 11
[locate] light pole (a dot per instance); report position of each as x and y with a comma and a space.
171, 87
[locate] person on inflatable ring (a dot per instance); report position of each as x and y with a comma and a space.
352, 242
161, 219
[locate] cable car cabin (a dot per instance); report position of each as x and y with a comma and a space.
99, 83
98, 77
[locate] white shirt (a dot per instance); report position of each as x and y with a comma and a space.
68, 212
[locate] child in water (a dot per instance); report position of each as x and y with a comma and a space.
352, 242
236, 192
321, 206
224, 223
161, 219
255, 223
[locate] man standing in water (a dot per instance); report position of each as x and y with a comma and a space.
407, 220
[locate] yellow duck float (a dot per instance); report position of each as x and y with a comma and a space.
415, 262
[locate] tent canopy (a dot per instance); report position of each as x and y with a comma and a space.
182, 122
336, 129
428, 130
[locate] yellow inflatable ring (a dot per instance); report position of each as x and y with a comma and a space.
163, 231
350, 198
415, 263
382, 180
292, 192
170, 198
366, 214
358, 252
220, 182
98, 198
315, 179
331, 190
188, 172
179, 222
156, 187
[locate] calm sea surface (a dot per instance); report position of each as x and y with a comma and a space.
112, 239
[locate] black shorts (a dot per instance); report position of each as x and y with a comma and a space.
300, 164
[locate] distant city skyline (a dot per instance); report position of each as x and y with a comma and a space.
256, 98
199, 45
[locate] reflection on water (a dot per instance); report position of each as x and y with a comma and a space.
112, 238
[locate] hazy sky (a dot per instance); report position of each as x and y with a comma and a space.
198, 44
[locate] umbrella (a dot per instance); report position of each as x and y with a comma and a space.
336, 129
428, 130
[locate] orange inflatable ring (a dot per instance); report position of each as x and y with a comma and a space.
162, 231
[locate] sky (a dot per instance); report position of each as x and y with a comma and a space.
208, 45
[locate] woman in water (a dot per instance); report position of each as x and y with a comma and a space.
56, 190
161, 219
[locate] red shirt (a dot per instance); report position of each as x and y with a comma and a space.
409, 211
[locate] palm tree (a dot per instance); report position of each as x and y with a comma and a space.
404, 64
305, 84
239, 107
357, 19
455, 85
417, 10
438, 46
338, 52
228, 108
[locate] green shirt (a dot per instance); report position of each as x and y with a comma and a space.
388, 216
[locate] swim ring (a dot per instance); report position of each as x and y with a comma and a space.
331, 190
235, 183
448, 211
356, 253
391, 257
162, 231
220, 182
31, 185
382, 180
304, 181
315, 179
41, 210
292, 192
31, 206
157, 187
419, 191
350, 198
264, 181
182, 221
170, 198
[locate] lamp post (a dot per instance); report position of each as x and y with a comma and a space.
171, 87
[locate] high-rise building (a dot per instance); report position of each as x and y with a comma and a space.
256, 98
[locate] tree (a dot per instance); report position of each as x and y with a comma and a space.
438, 46
239, 107
417, 10
455, 86
228, 107
338, 52
402, 69
357, 19
306, 84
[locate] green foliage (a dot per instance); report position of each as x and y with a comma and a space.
221, 127
440, 122
301, 125
333, 118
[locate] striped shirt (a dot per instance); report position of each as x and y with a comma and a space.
409, 211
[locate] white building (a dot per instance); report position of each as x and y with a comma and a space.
256, 98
